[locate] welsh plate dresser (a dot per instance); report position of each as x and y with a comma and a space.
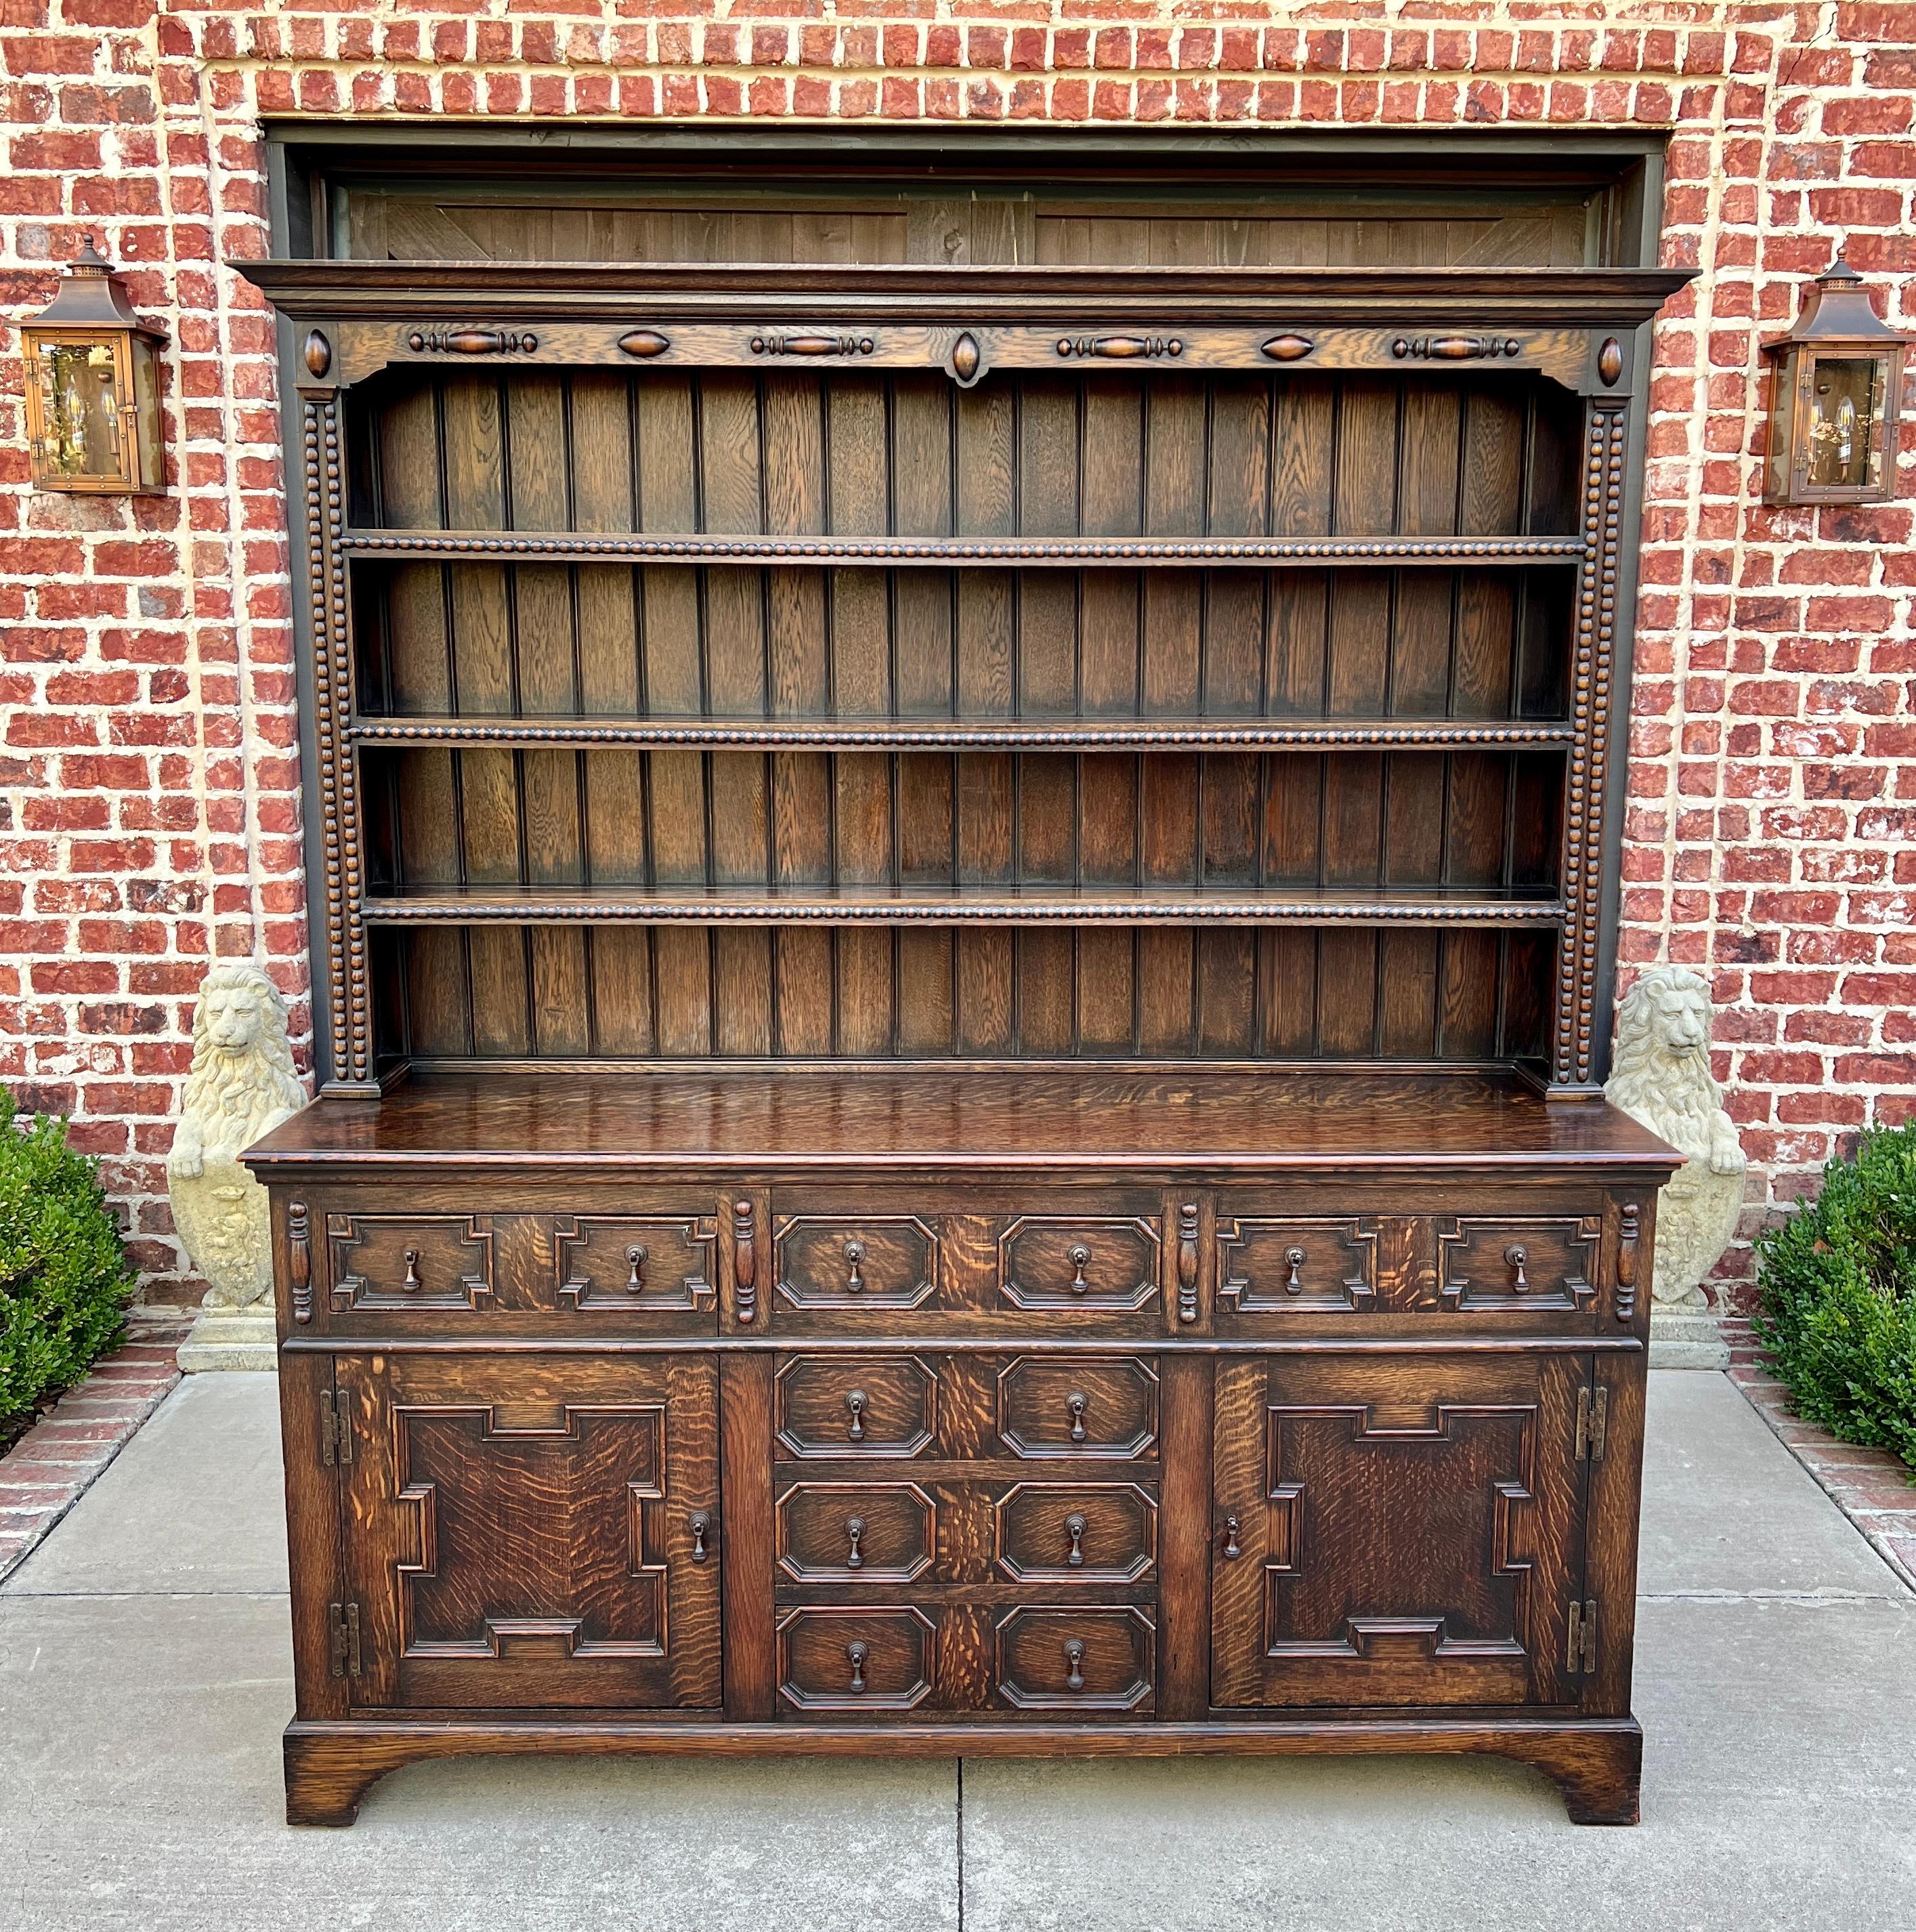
964, 891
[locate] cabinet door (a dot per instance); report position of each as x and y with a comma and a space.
1396, 1530
533, 1530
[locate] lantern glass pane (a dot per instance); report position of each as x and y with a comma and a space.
1845, 432
80, 404
146, 399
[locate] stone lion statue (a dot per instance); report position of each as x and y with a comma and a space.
241, 1086
1661, 1077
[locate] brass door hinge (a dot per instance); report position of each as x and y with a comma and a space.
1582, 1654
343, 1624
1592, 1422
335, 1427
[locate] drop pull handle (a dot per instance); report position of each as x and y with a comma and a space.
1074, 1659
855, 1654
1077, 1402
1079, 1256
701, 1527
412, 1284
1231, 1547
854, 1529
635, 1259
1518, 1256
1074, 1527
856, 1400
1295, 1258
854, 1256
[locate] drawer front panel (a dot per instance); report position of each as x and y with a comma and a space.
945, 1260
856, 1262
1103, 1533
1274, 1265
653, 1271
410, 1263
1502, 1263
850, 1406
845, 1661
856, 1532
1068, 1659
1079, 1406
1050, 1262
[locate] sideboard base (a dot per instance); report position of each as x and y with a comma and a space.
1596, 1763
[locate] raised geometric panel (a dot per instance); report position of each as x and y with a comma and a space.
532, 1540
1398, 1541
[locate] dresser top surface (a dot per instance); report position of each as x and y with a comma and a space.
972, 1121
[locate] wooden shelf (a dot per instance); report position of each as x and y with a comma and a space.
946, 552
1109, 734
964, 905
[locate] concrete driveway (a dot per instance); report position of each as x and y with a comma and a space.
144, 1675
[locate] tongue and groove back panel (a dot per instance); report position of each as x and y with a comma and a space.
848, 453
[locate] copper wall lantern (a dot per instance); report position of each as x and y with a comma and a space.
92, 388
1834, 400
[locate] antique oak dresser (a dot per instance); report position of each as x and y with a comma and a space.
963, 837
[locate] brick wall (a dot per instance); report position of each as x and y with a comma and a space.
149, 803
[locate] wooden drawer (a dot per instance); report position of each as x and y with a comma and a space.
649, 1266
968, 1408
1270, 1268
1103, 1533
853, 1532
1065, 1658
839, 1660
1505, 1262
1273, 1265
410, 1263
888, 1264
1079, 1406
860, 1532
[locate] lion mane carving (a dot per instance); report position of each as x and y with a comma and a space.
241, 1086
1660, 1076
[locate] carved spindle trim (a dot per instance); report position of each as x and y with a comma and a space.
299, 1260
1610, 362
1454, 348
644, 342
1593, 653
1288, 348
745, 1259
1187, 1261
327, 745
317, 353
1120, 348
967, 359
776, 342
1628, 1237
472, 342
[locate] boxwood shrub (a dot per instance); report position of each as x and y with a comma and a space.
63, 1277
1839, 1296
